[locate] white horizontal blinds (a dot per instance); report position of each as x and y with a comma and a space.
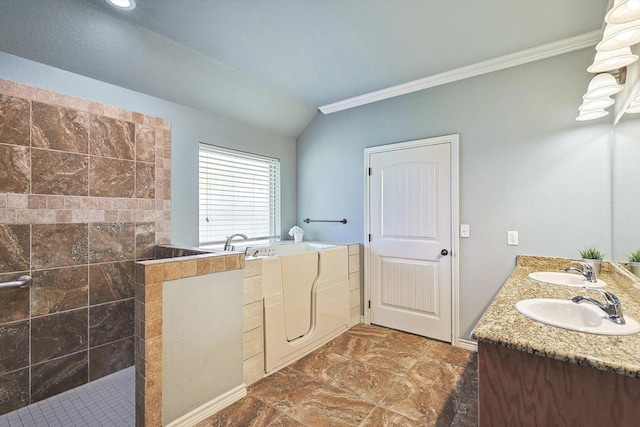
239, 193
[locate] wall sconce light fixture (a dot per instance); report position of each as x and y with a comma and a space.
613, 55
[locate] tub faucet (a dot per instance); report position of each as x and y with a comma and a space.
587, 271
612, 306
227, 244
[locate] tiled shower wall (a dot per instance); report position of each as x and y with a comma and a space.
84, 191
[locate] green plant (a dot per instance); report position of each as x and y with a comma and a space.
634, 256
591, 253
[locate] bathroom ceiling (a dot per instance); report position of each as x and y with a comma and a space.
302, 53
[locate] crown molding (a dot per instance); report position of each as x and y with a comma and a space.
500, 63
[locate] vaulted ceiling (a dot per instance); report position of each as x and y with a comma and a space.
273, 62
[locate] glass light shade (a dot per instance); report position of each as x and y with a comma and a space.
123, 4
591, 115
617, 36
609, 60
634, 107
623, 11
602, 85
596, 104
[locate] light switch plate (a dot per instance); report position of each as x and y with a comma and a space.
512, 238
464, 230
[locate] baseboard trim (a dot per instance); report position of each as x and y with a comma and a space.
205, 411
468, 345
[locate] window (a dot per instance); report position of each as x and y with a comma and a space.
239, 193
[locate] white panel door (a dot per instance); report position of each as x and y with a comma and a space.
410, 229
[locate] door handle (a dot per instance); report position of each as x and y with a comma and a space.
444, 252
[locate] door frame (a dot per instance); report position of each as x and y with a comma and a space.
453, 140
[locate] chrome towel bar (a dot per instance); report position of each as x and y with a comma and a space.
22, 282
343, 220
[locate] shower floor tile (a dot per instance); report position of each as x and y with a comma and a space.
106, 402
369, 376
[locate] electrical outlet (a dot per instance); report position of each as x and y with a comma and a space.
512, 238
464, 230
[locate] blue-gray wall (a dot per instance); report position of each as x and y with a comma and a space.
525, 165
188, 127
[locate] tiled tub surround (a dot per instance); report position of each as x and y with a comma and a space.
151, 277
569, 377
355, 283
84, 192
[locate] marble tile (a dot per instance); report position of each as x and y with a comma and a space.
370, 383
391, 359
111, 177
59, 128
404, 343
14, 303
59, 289
445, 352
58, 334
145, 240
56, 172
111, 322
253, 369
59, 375
467, 410
252, 343
428, 393
110, 358
348, 345
331, 406
111, 242
15, 169
381, 417
14, 342
14, 121
247, 412
14, 390
15, 248
251, 287
145, 180
369, 332
111, 282
112, 138
58, 245
320, 364
329, 389
252, 316
286, 421
284, 391
145, 144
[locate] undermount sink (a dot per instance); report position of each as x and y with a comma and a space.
565, 279
577, 317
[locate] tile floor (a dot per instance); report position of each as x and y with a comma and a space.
106, 402
369, 376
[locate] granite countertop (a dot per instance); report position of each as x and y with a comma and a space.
502, 325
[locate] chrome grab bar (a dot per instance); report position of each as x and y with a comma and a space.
343, 220
22, 282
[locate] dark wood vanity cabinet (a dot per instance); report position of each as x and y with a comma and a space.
519, 389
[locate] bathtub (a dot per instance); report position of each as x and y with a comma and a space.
305, 289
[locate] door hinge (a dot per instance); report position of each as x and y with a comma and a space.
369, 303
369, 171
369, 237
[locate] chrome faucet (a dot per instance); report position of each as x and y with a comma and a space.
612, 306
587, 271
227, 244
